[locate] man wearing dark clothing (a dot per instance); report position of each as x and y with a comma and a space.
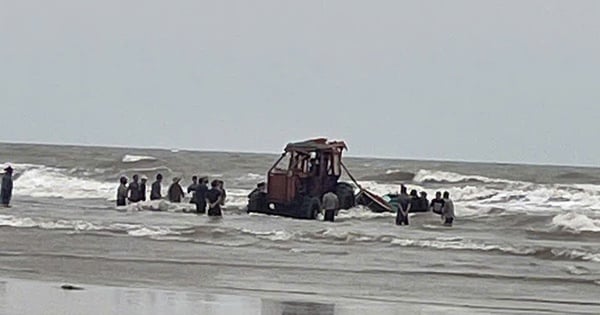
213, 199
415, 201
7, 187
200, 196
437, 204
192, 189
257, 199
134, 189
122, 192
403, 207
142, 194
424, 205
175, 191
155, 192
221, 188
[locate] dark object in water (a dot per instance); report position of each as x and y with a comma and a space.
300, 177
71, 287
373, 202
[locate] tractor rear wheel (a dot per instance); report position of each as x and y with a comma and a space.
345, 194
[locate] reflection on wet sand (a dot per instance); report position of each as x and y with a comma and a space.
272, 307
16, 299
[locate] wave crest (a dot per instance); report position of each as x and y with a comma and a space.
130, 158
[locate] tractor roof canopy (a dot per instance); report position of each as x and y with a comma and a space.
314, 145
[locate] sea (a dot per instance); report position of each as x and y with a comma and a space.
526, 238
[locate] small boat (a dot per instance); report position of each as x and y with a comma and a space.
373, 201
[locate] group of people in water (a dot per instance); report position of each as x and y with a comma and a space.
201, 195
413, 202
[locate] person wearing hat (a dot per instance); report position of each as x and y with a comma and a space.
175, 191
142, 193
7, 187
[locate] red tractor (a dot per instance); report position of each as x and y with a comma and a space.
299, 179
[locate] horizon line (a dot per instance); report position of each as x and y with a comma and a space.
412, 159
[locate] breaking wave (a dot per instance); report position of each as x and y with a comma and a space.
42, 181
129, 158
425, 176
575, 223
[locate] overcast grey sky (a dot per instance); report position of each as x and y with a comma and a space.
515, 81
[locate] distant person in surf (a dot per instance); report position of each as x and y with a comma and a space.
134, 189
448, 210
200, 196
192, 188
331, 204
122, 192
424, 205
213, 199
7, 187
143, 182
437, 204
175, 191
155, 191
221, 187
403, 206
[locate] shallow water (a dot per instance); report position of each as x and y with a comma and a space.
526, 238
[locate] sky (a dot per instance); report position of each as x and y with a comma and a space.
500, 81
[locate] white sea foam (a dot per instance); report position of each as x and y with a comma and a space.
26, 222
41, 181
463, 245
423, 176
151, 231
252, 177
138, 230
575, 222
130, 158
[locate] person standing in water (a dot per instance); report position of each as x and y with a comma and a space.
142, 194
200, 196
213, 198
192, 188
424, 205
155, 192
331, 204
448, 210
7, 187
122, 192
257, 199
221, 187
134, 189
403, 206
437, 204
175, 191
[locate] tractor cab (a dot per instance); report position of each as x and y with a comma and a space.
301, 176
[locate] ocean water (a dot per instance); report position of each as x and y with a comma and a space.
526, 239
